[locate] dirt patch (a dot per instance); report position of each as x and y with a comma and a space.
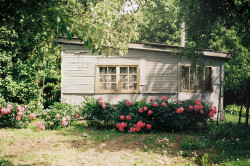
20, 148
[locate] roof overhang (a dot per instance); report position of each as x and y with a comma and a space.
150, 47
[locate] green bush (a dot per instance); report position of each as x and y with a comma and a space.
59, 114
190, 144
140, 116
235, 110
13, 115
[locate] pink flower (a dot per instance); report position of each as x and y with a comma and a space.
104, 106
4, 111
19, 108
63, 119
164, 104
196, 107
121, 126
105, 110
64, 123
132, 129
68, 117
196, 101
118, 125
128, 103
100, 98
201, 111
155, 104
140, 124
0, 115
214, 111
122, 117
100, 102
121, 129
42, 127
211, 114
19, 113
32, 116
58, 115
148, 126
128, 117
18, 118
180, 103
164, 98
112, 106
210, 108
191, 108
76, 115
138, 128
179, 110
151, 100
8, 110
140, 110
38, 123
150, 112
25, 106
145, 108
9, 106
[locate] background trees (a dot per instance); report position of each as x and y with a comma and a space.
211, 24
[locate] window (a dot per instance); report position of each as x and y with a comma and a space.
117, 79
193, 81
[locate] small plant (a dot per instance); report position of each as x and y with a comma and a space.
190, 144
205, 160
235, 110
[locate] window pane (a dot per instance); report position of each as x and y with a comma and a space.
133, 70
185, 77
123, 78
112, 70
199, 76
132, 86
112, 78
113, 86
133, 78
103, 86
192, 80
123, 86
208, 80
103, 70
123, 70
103, 78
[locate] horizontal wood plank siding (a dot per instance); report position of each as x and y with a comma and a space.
161, 73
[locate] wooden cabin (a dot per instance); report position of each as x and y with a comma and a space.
147, 71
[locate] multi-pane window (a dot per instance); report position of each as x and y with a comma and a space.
117, 79
196, 80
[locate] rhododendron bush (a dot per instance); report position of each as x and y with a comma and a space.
147, 115
60, 114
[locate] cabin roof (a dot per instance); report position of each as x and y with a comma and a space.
150, 47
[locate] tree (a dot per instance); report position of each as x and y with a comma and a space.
29, 58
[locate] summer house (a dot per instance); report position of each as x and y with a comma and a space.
147, 71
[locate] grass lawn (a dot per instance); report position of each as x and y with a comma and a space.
79, 144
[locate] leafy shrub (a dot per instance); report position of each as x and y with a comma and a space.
60, 114
141, 116
13, 115
235, 110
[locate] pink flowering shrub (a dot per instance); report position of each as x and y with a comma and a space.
147, 115
59, 115
13, 115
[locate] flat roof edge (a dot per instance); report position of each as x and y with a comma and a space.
148, 46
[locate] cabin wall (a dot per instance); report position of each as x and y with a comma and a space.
159, 75
211, 98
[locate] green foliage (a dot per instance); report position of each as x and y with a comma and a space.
190, 144
160, 117
10, 119
235, 110
29, 57
205, 160
158, 22
64, 110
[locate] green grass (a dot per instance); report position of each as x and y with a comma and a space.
226, 144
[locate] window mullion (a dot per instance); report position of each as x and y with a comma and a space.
117, 78
189, 75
